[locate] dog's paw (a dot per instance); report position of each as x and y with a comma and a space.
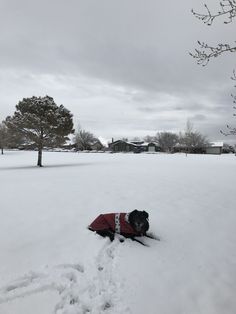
120, 238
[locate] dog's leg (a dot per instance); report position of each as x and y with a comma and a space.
107, 233
120, 237
136, 240
152, 236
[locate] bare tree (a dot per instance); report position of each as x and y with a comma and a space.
192, 140
231, 130
149, 138
84, 140
167, 141
206, 51
135, 139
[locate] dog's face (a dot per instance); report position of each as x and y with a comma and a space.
139, 220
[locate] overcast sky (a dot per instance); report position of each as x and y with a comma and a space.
121, 66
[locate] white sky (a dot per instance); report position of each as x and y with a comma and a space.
121, 67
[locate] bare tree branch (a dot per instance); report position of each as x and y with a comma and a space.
231, 131
207, 52
227, 9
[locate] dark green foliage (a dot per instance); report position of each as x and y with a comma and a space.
3, 136
41, 122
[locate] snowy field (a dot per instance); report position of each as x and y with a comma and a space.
51, 264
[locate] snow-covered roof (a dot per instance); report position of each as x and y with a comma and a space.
138, 144
216, 144
103, 141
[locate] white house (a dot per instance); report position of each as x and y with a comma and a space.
215, 148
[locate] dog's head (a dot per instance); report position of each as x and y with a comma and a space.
139, 220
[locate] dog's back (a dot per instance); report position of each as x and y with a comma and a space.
127, 224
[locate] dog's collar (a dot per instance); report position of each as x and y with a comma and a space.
127, 217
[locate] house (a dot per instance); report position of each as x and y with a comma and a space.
135, 147
121, 146
214, 148
153, 147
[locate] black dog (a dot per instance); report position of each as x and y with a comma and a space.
129, 225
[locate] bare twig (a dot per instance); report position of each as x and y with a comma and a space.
227, 9
206, 52
231, 131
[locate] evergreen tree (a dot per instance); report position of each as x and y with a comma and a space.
3, 136
40, 121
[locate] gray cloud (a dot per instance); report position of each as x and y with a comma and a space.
198, 117
120, 66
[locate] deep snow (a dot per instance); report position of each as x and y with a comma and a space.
50, 262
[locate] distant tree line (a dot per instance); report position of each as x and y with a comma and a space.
189, 140
38, 123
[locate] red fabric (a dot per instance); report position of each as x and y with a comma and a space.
107, 222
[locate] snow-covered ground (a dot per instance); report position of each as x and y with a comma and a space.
50, 263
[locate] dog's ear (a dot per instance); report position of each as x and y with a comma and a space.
133, 214
145, 214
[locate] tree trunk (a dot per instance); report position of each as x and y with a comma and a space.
40, 151
186, 152
2, 150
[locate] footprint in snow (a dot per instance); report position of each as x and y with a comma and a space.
78, 292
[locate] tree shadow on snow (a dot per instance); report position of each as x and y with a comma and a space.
46, 166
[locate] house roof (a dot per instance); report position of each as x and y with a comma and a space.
216, 144
121, 141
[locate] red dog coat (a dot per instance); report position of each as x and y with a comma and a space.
116, 222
